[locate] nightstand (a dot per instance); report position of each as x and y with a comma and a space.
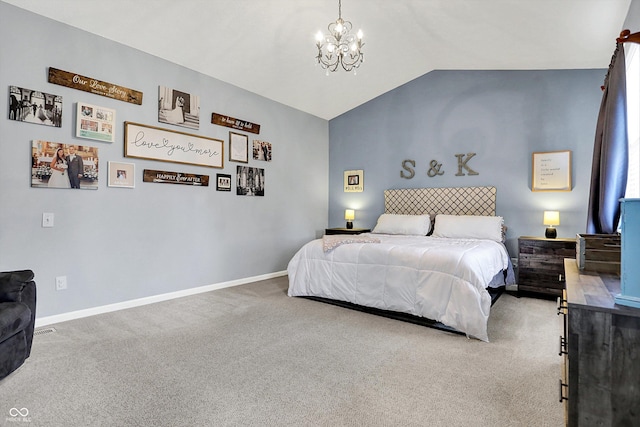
541, 264
348, 231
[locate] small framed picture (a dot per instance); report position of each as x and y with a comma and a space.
93, 122
354, 181
122, 175
223, 182
238, 147
261, 150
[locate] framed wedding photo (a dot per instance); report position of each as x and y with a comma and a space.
122, 175
238, 147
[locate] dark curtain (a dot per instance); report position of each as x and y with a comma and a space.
610, 151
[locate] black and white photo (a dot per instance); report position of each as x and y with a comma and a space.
250, 181
178, 108
32, 106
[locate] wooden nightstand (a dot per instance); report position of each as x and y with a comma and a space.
541, 264
348, 231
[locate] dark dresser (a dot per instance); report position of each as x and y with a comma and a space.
600, 384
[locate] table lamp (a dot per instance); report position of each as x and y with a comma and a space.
551, 218
349, 215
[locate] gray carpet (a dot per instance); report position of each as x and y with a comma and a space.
250, 355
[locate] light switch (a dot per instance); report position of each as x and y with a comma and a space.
47, 219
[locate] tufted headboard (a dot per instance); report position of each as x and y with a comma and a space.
448, 200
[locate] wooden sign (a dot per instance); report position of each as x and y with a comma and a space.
87, 84
175, 178
230, 122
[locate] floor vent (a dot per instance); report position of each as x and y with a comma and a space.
44, 331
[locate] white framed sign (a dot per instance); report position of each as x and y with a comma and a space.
354, 181
551, 171
153, 143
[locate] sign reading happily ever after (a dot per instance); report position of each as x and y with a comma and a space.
166, 177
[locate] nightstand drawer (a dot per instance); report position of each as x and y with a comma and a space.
541, 264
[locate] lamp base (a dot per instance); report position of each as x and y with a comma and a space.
551, 233
349, 225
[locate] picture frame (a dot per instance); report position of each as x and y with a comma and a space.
34, 106
249, 181
95, 122
261, 150
154, 143
77, 166
223, 182
238, 147
551, 171
178, 108
121, 175
354, 181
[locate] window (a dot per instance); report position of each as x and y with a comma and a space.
632, 54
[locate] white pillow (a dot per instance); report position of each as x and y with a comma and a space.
416, 225
469, 227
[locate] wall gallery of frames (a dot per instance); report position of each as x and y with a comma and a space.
55, 164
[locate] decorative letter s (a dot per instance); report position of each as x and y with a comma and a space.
412, 173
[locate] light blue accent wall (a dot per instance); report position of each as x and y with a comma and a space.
116, 244
502, 116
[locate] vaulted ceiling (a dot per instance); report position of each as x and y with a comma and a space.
268, 46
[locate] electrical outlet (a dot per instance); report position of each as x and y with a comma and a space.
47, 219
61, 283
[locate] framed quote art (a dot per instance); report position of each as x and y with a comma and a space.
149, 142
551, 171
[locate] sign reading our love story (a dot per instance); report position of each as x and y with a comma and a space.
149, 142
91, 85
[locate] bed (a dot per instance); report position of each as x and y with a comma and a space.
435, 254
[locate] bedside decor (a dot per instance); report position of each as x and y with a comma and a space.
339, 47
551, 171
349, 215
551, 218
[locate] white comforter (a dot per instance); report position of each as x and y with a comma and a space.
438, 278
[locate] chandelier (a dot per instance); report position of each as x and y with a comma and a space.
339, 47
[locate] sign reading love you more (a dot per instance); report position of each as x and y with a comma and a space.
148, 142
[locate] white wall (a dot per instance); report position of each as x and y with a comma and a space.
116, 244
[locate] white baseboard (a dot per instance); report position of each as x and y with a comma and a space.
72, 315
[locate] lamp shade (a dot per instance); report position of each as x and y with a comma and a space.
551, 218
349, 214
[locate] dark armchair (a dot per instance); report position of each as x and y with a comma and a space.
17, 319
